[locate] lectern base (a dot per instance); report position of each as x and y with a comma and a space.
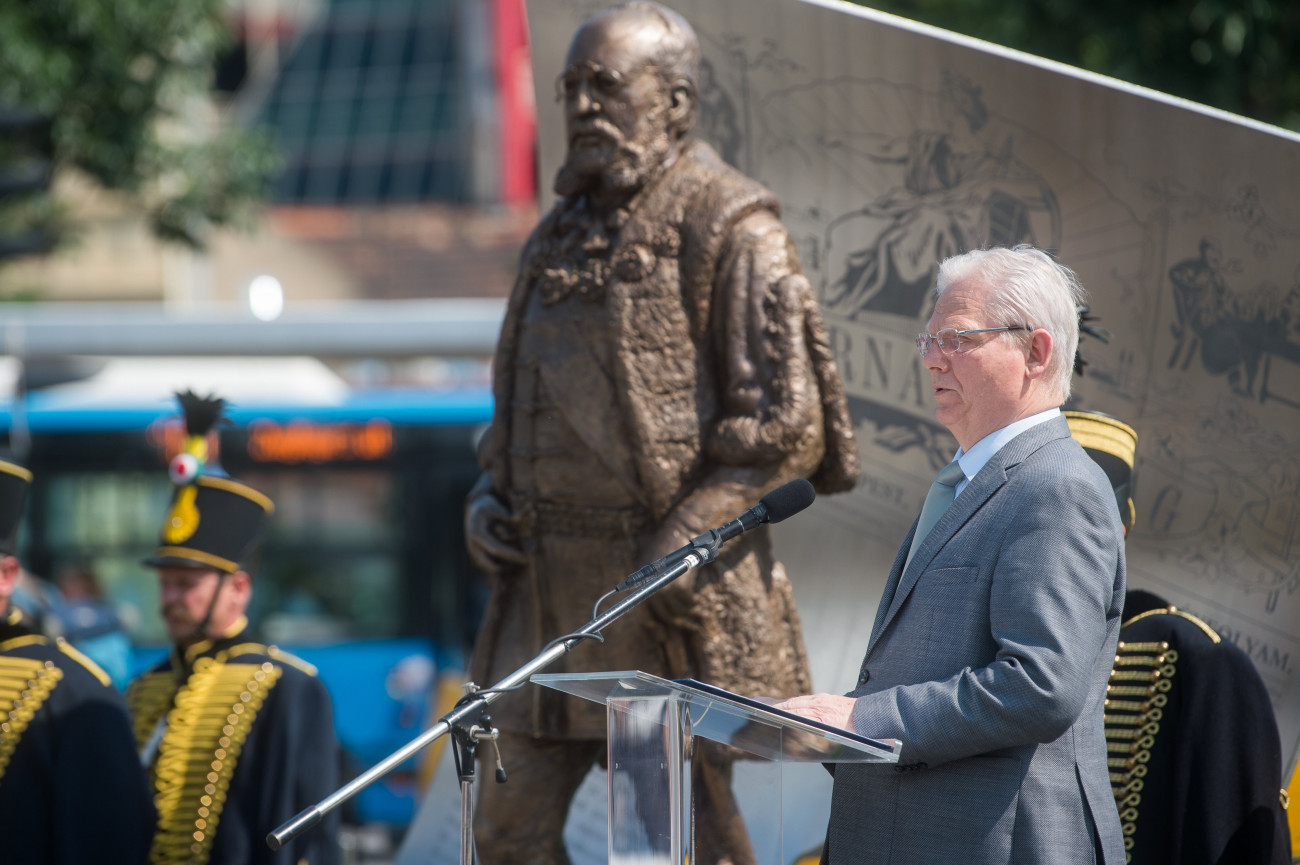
655, 726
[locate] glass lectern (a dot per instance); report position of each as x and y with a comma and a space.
653, 724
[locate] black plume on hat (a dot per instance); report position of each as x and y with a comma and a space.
201, 412
1087, 327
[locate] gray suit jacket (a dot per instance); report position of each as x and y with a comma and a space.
989, 659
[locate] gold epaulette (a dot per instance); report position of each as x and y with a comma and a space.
275, 653
75, 654
292, 660
25, 640
1135, 699
25, 685
1182, 614
212, 715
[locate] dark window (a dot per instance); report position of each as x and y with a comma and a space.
367, 108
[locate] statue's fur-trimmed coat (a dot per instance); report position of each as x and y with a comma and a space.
724, 375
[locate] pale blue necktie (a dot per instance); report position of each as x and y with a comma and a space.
942, 492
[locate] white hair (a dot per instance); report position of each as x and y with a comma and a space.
1027, 286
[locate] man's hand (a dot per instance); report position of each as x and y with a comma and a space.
829, 709
490, 534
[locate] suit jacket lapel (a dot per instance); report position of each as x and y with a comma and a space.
891, 587
989, 480
977, 492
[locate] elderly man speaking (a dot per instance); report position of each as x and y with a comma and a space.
997, 629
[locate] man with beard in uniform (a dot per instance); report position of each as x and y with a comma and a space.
238, 736
662, 365
71, 789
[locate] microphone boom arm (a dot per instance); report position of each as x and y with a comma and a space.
704, 549
774, 507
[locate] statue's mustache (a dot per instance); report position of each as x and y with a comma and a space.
599, 128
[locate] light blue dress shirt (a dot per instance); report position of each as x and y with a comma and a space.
985, 448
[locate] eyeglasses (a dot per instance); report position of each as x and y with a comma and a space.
950, 339
603, 81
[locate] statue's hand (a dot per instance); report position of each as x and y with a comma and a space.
490, 534
675, 601
673, 533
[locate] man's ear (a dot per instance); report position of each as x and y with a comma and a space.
681, 108
240, 586
9, 570
1040, 353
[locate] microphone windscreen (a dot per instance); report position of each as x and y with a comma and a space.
788, 499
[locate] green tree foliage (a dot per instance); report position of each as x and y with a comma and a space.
1241, 56
117, 80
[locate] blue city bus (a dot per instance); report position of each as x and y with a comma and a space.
362, 573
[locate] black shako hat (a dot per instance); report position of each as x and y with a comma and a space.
1112, 444
213, 521
14, 481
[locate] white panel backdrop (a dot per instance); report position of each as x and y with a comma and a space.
891, 145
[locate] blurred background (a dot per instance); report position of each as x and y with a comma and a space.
314, 209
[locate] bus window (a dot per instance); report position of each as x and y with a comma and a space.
334, 550
105, 520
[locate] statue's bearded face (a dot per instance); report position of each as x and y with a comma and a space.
615, 112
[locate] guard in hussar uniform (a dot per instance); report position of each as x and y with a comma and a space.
1192, 740
71, 789
238, 736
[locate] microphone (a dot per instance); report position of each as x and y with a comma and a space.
783, 502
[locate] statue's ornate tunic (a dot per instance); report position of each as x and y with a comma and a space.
662, 364
239, 738
71, 789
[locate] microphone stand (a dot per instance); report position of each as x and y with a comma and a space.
464, 720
